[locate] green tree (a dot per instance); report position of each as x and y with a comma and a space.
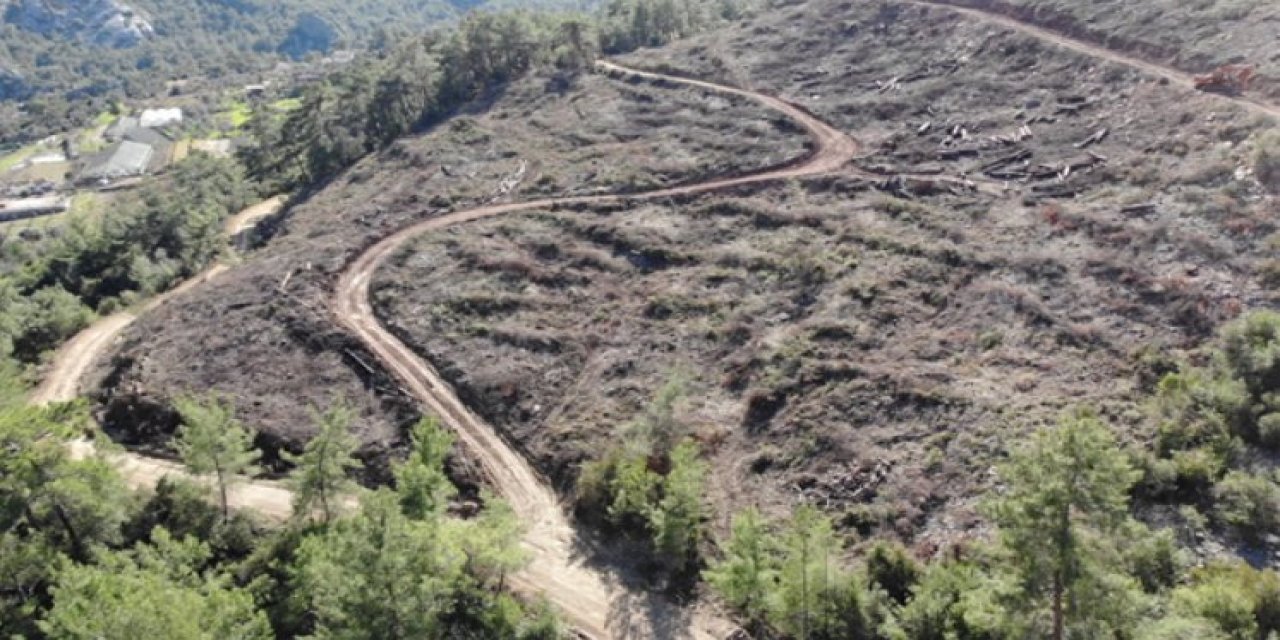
677, 519
52, 507
1066, 493
635, 489
380, 574
421, 484
807, 573
155, 591
936, 609
212, 442
322, 474
74, 505
746, 576
890, 567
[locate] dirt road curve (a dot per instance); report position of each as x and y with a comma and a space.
250, 217
588, 598
76, 356
1174, 76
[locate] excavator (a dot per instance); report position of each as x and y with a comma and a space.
1230, 79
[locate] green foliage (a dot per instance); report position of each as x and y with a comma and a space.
1155, 559
678, 518
1066, 495
747, 574
171, 229
423, 80
379, 574
936, 610
1266, 161
891, 568
635, 489
423, 487
1249, 504
154, 591
73, 506
52, 508
212, 442
322, 470
1240, 601
652, 482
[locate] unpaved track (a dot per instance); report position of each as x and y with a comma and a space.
251, 216
1174, 76
62, 384
588, 598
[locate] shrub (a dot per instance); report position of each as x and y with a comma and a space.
1248, 503
1195, 471
893, 569
1156, 561
1241, 601
1266, 162
1221, 600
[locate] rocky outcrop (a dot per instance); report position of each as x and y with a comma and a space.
103, 22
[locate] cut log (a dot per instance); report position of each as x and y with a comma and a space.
1098, 136
1146, 208
1021, 155
959, 152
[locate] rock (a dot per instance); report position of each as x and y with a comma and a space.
108, 23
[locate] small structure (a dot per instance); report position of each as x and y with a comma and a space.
124, 160
153, 118
31, 208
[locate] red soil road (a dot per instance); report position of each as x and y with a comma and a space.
588, 598
1174, 76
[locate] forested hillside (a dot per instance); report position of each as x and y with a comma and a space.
74, 58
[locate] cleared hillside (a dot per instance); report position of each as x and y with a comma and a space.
263, 331
866, 345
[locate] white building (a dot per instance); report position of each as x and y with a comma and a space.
152, 118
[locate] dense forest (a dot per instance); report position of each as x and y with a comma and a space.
53, 285
69, 71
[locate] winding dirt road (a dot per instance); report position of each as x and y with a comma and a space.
62, 384
589, 599
1174, 76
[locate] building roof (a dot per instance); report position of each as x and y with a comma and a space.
122, 126
147, 136
120, 161
152, 118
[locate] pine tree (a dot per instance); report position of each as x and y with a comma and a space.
322, 474
154, 591
677, 520
1066, 493
746, 576
807, 573
421, 483
213, 442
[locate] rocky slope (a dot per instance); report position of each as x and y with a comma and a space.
101, 22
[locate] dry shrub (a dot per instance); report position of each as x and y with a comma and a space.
1266, 161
